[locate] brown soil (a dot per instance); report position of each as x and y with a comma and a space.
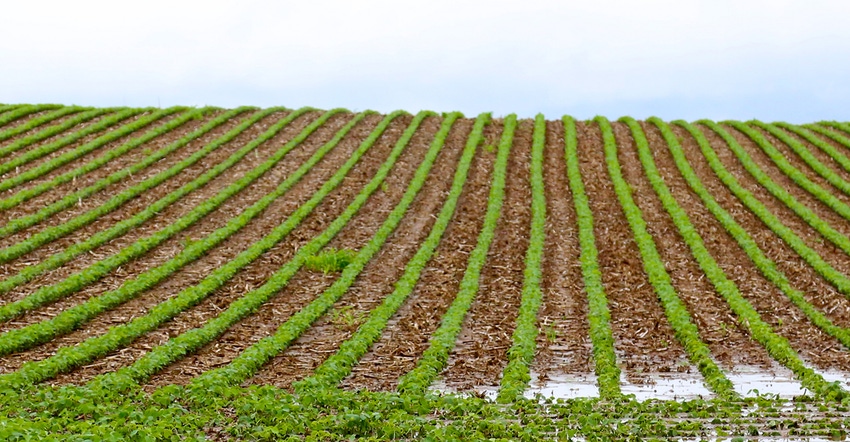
137, 154
818, 291
819, 154
77, 162
408, 332
480, 353
378, 278
192, 273
644, 341
730, 344
36, 130
772, 305
134, 206
563, 346
20, 122
256, 273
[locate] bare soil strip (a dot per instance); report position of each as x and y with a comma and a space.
378, 278
132, 207
480, 355
774, 308
191, 273
407, 334
644, 340
730, 343
563, 346
257, 272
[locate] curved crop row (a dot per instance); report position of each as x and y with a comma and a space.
254, 357
79, 151
766, 266
803, 152
674, 309
100, 269
81, 117
339, 365
778, 191
516, 375
827, 148
70, 357
443, 339
34, 191
22, 111
777, 346
7, 107
823, 268
191, 340
834, 135
54, 232
843, 128
598, 314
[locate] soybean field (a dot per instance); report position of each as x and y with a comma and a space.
191, 273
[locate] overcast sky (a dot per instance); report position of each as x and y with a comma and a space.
772, 60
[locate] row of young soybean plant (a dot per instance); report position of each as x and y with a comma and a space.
69, 357
253, 357
777, 347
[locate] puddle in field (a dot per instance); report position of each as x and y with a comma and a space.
751, 381
667, 386
563, 386
490, 392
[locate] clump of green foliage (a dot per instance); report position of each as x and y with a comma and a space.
330, 260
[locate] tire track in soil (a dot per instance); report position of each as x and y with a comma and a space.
563, 346
644, 341
56, 193
407, 333
86, 139
193, 272
133, 206
818, 291
821, 210
481, 350
255, 274
379, 276
306, 285
811, 343
822, 156
730, 344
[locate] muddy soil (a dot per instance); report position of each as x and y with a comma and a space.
563, 345
378, 278
408, 332
643, 339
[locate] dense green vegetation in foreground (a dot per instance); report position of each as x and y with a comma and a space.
118, 405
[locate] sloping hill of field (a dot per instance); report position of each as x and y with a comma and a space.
257, 273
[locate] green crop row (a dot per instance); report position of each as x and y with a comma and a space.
842, 128
822, 194
833, 134
19, 112
442, 341
339, 365
7, 107
798, 177
828, 148
254, 357
803, 152
69, 357
516, 375
194, 339
50, 131
766, 266
836, 278
777, 346
52, 233
599, 316
28, 273
34, 191
41, 332
674, 309
79, 151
